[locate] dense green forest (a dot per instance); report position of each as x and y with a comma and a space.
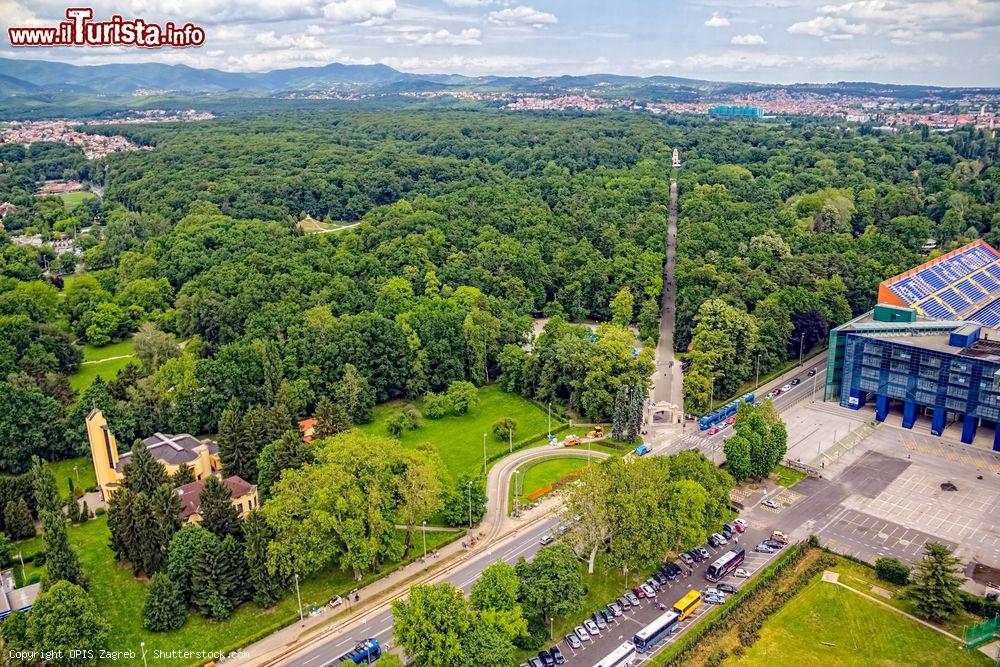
471, 225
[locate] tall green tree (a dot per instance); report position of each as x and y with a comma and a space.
65, 620
211, 579
44, 487
430, 625
142, 473
17, 519
61, 562
182, 555
935, 586
331, 419
266, 586
218, 515
234, 449
164, 609
551, 584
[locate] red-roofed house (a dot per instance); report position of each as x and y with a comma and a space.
308, 428
244, 496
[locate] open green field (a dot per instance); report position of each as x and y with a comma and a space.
83, 477
102, 362
543, 472
828, 625
459, 439
73, 199
120, 598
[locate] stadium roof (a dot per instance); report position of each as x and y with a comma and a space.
963, 284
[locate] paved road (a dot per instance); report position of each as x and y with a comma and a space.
668, 381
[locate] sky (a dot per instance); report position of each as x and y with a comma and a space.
939, 42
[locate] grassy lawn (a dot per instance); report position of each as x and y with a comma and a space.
825, 624
120, 598
73, 199
125, 347
84, 377
788, 476
546, 471
83, 477
459, 439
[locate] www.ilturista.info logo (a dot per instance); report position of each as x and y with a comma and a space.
80, 30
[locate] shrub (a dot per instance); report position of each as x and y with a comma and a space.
395, 423
504, 428
536, 636
891, 570
435, 405
462, 396
100, 511
980, 606
411, 418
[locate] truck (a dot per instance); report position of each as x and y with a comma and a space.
364, 653
643, 449
596, 432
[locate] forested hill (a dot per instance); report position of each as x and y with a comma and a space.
471, 224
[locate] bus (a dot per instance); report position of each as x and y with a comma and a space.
622, 656
724, 413
648, 637
728, 562
687, 604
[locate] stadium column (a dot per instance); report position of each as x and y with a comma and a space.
969, 426
937, 421
909, 414
996, 437
881, 407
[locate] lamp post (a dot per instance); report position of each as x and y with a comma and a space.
550, 419
510, 439
517, 496
484, 454
298, 595
470, 503
756, 382
424, 527
625, 572
802, 339
711, 395
142, 648
77, 471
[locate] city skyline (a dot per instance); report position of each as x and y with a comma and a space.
769, 41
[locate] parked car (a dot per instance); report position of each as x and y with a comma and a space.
535, 662
741, 524
767, 502
582, 633
774, 544
686, 558
675, 568
741, 573
546, 658
720, 539
648, 590
779, 536
727, 530
654, 584
764, 549
714, 599
557, 655
787, 387
591, 627
546, 539
702, 551
573, 641
812, 371
633, 598
661, 578
615, 609
599, 621
728, 589
562, 529
624, 603
713, 430
713, 541
713, 591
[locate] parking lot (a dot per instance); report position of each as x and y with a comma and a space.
625, 626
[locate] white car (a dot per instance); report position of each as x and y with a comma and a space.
716, 592
720, 538
582, 633
648, 590
742, 523
591, 627
787, 387
741, 573
767, 502
546, 539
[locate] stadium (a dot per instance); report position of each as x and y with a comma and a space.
928, 354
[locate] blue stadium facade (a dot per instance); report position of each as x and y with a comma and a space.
929, 348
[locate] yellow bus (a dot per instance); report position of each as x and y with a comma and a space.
688, 604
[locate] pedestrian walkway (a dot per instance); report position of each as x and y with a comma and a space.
982, 460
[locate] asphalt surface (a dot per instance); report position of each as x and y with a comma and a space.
668, 381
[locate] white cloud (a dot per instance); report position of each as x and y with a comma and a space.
442, 37
748, 40
269, 40
360, 11
522, 15
921, 20
467, 3
828, 27
717, 21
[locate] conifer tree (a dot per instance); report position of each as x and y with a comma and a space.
218, 515
183, 475
84, 512
164, 609
331, 419
121, 524
235, 582
207, 580
61, 562
143, 473
17, 518
266, 586
44, 488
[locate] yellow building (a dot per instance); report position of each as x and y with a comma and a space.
172, 451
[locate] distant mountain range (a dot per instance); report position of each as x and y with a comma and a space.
35, 77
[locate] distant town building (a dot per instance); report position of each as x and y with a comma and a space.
729, 111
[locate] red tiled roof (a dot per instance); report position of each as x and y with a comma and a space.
190, 493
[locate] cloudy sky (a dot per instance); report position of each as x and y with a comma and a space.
953, 42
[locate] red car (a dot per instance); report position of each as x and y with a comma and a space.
639, 593
730, 421
713, 430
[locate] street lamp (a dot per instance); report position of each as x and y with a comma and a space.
802, 339
756, 382
77, 471
510, 439
550, 419
142, 648
517, 495
484, 454
470, 504
299, 596
625, 572
711, 395
424, 526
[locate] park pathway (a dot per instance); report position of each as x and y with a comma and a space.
668, 382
